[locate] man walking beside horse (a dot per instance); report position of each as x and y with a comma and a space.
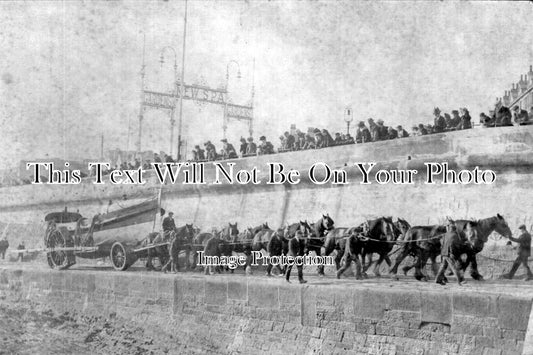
524, 252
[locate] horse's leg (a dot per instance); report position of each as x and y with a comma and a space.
358, 267
473, 266
338, 258
346, 266
387, 260
367, 257
378, 264
434, 266
421, 255
394, 270
320, 268
422, 264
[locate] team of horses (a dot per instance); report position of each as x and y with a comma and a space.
356, 244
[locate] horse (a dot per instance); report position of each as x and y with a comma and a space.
352, 246
422, 242
160, 251
425, 242
380, 239
482, 229
318, 236
221, 244
182, 239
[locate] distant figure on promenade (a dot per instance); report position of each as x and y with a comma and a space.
455, 120
251, 147
198, 154
485, 120
210, 150
392, 133
157, 159
328, 139
290, 141
338, 139
503, 117
228, 151
265, 147
465, 120
402, 133
524, 252
242, 148
520, 116
363, 134
439, 123
4, 244
20, 256
422, 131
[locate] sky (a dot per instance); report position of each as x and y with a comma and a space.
70, 70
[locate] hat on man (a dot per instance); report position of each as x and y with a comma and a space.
361, 123
380, 121
522, 227
224, 140
197, 146
250, 139
242, 139
436, 110
398, 127
262, 138
170, 213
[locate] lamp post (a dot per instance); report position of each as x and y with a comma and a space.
348, 118
162, 61
182, 81
225, 123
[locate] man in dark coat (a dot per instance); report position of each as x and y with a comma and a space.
363, 133
211, 151
228, 151
243, 147
439, 124
520, 116
289, 141
402, 133
392, 133
168, 223
453, 246
296, 249
524, 252
265, 147
4, 244
251, 148
21, 255
198, 153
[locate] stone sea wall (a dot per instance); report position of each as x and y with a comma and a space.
249, 315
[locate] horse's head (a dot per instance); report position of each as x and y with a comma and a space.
501, 226
327, 222
401, 227
265, 225
305, 228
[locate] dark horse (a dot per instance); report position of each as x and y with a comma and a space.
425, 242
318, 237
380, 239
182, 239
346, 242
215, 243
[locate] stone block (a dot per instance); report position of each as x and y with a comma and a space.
368, 304
472, 304
436, 307
513, 312
237, 290
216, 292
263, 295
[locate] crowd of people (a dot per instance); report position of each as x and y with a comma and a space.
316, 138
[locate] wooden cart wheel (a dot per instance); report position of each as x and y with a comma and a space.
121, 257
57, 259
